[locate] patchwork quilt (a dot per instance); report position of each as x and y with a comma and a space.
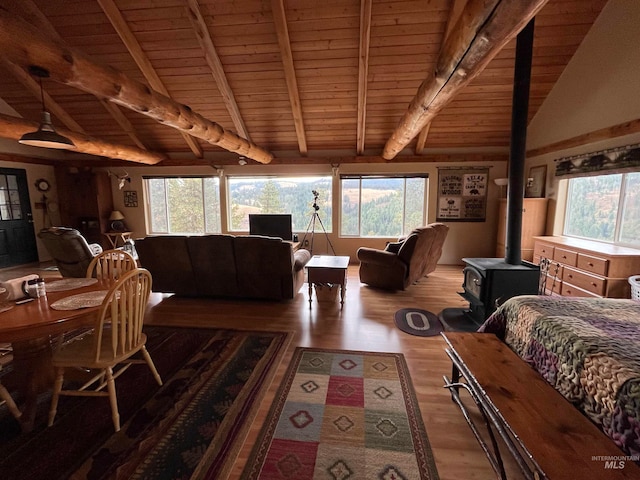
586, 348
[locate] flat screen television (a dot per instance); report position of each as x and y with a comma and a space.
271, 225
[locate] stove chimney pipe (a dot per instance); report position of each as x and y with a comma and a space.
517, 153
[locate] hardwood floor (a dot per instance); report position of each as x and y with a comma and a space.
365, 323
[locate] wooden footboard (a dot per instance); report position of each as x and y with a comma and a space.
548, 437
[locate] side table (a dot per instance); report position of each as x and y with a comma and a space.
328, 269
117, 237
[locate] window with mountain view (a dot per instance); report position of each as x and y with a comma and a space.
379, 206
605, 208
280, 194
183, 205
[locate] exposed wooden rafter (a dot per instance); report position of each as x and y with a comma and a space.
619, 130
454, 15
13, 128
363, 73
483, 29
213, 60
280, 22
27, 9
50, 104
25, 45
422, 138
123, 121
144, 64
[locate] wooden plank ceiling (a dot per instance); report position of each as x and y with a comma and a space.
296, 77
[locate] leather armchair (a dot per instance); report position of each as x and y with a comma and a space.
69, 250
403, 263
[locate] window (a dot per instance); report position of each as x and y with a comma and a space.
279, 195
183, 205
377, 206
10, 207
605, 208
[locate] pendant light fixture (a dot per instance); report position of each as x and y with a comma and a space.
46, 136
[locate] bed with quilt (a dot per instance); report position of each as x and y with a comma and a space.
586, 348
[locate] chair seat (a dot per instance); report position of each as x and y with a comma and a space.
83, 352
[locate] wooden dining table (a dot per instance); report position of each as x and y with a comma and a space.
30, 328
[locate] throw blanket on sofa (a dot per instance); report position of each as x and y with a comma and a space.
586, 348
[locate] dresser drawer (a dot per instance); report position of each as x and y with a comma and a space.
553, 285
584, 280
543, 250
569, 290
599, 266
566, 257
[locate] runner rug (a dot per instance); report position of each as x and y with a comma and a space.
343, 415
192, 426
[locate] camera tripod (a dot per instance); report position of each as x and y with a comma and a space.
311, 227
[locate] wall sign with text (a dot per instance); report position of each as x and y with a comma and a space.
462, 194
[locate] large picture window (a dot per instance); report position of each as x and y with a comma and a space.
605, 208
382, 206
183, 205
279, 194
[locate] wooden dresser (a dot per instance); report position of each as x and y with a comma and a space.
534, 219
584, 268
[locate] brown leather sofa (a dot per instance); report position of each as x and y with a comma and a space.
403, 263
69, 249
223, 265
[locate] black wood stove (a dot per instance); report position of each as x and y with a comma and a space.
489, 282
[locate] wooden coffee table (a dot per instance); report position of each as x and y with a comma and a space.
328, 269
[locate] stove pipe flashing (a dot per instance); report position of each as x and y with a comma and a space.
517, 152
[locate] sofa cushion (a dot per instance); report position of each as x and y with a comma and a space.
265, 267
168, 260
213, 263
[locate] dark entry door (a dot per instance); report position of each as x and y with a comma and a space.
17, 238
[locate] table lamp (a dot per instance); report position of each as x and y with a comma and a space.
116, 218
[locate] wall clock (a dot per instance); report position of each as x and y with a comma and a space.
43, 185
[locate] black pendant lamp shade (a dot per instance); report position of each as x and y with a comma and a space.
46, 136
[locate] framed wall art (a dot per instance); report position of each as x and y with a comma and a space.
536, 182
130, 198
462, 194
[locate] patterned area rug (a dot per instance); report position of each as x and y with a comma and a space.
192, 426
418, 322
343, 415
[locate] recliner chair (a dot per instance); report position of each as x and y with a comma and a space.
404, 263
69, 250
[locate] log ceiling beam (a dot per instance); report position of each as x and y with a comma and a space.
27, 9
282, 31
213, 60
454, 15
25, 45
13, 128
144, 64
619, 130
363, 73
483, 29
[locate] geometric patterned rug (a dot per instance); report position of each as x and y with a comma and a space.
192, 426
343, 415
